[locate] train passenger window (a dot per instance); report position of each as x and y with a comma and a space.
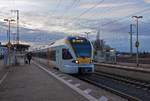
66, 54
52, 55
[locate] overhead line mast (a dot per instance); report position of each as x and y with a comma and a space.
17, 11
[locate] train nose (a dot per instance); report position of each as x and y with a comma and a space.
84, 60
85, 70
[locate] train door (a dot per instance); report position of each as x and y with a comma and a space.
48, 56
67, 59
58, 57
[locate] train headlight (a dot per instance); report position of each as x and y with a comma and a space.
77, 62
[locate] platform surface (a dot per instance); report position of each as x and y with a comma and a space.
144, 66
29, 83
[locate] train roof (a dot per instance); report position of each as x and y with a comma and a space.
63, 41
75, 37
58, 43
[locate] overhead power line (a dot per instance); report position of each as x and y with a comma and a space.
86, 11
141, 11
57, 6
71, 6
128, 16
97, 4
74, 2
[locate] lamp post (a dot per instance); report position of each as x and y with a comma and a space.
9, 43
9, 21
137, 39
17, 11
87, 34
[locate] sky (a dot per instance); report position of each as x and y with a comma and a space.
44, 21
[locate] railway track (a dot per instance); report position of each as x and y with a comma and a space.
130, 89
133, 82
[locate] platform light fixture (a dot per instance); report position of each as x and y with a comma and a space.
137, 39
9, 43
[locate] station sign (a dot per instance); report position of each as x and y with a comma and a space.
77, 41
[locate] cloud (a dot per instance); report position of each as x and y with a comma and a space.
39, 26
106, 5
147, 1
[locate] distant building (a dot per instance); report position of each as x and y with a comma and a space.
103, 53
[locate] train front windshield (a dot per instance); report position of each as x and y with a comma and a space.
81, 47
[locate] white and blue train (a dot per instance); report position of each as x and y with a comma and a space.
71, 55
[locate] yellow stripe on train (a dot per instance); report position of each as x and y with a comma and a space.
84, 60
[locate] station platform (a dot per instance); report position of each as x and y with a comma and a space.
29, 83
123, 65
141, 73
36, 82
144, 66
3, 69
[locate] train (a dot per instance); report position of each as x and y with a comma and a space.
72, 55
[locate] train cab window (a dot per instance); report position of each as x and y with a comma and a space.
66, 54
